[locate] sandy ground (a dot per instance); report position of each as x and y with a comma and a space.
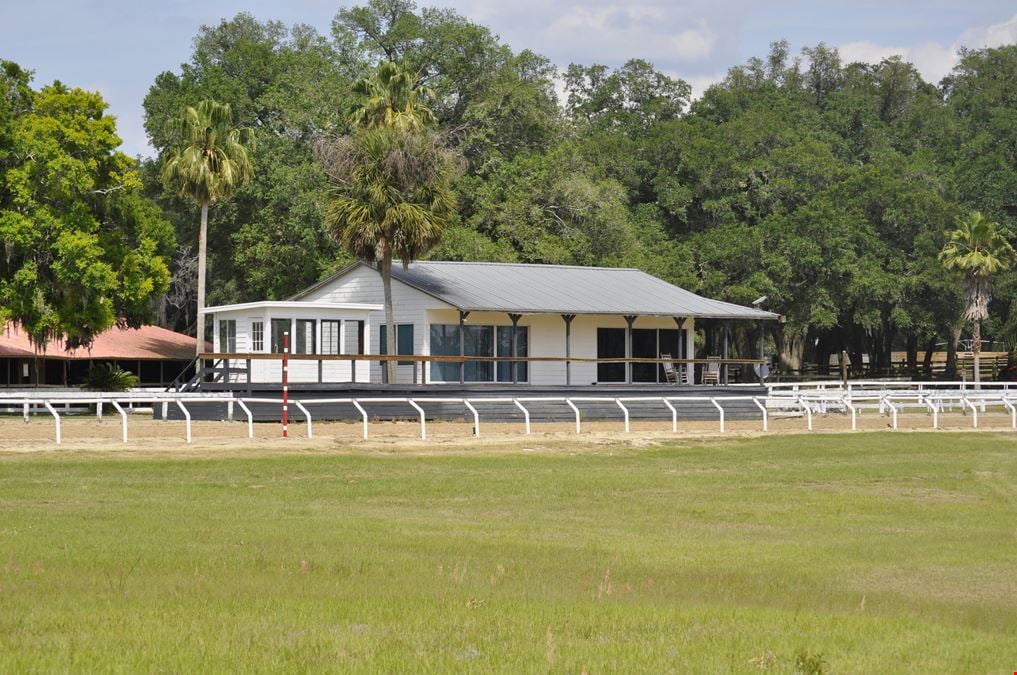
83, 433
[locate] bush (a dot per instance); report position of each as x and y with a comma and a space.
108, 377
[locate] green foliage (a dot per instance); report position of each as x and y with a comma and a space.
82, 249
827, 186
109, 377
208, 158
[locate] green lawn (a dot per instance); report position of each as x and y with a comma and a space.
848, 553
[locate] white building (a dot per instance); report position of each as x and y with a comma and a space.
477, 309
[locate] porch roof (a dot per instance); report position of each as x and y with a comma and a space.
556, 289
290, 304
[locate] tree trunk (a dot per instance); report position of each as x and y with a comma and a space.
385, 268
951, 352
792, 349
912, 355
976, 350
202, 245
930, 349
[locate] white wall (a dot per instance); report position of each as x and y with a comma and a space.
300, 370
363, 285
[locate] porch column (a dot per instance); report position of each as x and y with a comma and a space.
682, 368
629, 319
727, 331
462, 346
515, 348
568, 348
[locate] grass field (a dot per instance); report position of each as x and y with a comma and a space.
835, 553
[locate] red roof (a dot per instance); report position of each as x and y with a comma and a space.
147, 342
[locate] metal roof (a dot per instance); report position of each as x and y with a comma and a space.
556, 289
289, 304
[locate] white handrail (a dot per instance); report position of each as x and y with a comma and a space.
187, 416
720, 409
576, 411
307, 416
525, 412
123, 418
423, 420
625, 411
56, 418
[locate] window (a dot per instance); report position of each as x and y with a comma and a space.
444, 342
610, 345
228, 336
478, 341
257, 336
505, 349
330, 337
404, 341
279, 326
304, 343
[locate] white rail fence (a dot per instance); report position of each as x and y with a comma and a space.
800, 399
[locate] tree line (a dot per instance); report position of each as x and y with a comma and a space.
829, 187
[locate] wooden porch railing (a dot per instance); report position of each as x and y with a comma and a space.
419, 360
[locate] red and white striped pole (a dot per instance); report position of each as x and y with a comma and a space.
286, 383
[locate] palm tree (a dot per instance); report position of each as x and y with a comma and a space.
208, 161
392, 198
978, 250
392, 101
392, 175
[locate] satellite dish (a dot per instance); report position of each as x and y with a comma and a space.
761, 370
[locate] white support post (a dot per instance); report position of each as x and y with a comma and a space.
974, 411
24, 411
165, 411
187, 416
250, 418
98, 410
123, 418
229, 411
674, 415
576, 411
476, 417
423, 419
807, 409
625, 411
526, 413
56, 418
762, 408
356, 404
720, 410
893, 411
854, 413
307, 416
1013, 411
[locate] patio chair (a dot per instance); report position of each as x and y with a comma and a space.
711, 372
670, 372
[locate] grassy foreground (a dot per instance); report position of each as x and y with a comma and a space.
842, 553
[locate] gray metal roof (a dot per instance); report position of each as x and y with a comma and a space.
556, 289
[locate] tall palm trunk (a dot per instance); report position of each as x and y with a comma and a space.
202, 245
976, 350
385, 268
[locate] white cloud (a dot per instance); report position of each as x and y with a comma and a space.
693, 45
932, 59
998, 34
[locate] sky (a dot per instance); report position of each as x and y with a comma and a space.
118, 47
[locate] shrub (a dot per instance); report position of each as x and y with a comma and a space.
108, 377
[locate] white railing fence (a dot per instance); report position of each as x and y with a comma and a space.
800, 399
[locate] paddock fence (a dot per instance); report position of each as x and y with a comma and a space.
798, 400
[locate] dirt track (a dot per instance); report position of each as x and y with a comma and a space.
145, 434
